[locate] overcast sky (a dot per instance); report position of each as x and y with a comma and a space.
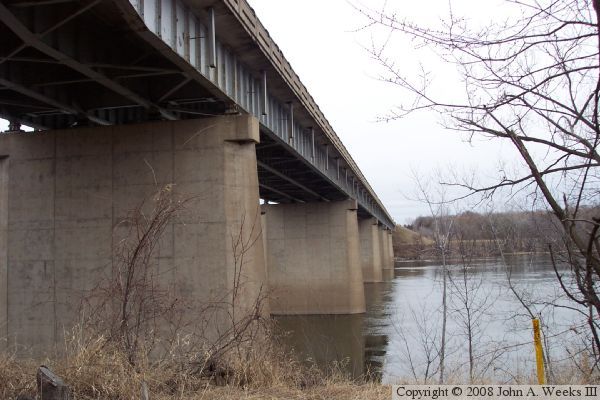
320, 40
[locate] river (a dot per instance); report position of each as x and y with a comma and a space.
398, 338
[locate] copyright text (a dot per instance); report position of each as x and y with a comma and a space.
474, 392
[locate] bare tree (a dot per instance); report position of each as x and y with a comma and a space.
534, 82
134, 310
436, 200
128, 304
420, 346
470, 303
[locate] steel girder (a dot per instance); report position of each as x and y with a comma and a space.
119, 61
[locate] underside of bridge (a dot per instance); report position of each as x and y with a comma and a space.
285, 178
100, 87
67, 63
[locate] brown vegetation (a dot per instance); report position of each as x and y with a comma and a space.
488, 235
96, 369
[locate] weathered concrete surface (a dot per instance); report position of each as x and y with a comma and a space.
383, 248
263, 226
313, 258
388, 275
370, 253
69, 191
391, 247
3, 248
386, 252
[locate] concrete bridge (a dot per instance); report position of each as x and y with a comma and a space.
128, 96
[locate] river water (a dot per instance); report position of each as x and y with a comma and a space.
398, 338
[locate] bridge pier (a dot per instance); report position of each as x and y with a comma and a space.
391, 247
387, 260
69, 192
313, 258
370, 251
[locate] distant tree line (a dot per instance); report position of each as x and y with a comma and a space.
486, 233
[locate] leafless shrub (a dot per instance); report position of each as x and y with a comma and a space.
420, 342
470, 304
135, 313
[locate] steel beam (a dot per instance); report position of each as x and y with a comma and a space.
291, 121
279, 192
212, 41
4, 113
267, 146
175, 88
50, 101
264, 101
30, 39
290, 180
68, 18
52, 28
37, 3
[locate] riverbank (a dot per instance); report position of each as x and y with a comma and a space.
332, 390
457, 260
417, 246
106, 375
114, 380
97, 369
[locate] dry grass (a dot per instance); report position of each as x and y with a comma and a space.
16, 376
405, 236
97, 369
330, 390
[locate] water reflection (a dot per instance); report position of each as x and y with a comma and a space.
377, 295
327, 340
388, 275
376, 342
355, 343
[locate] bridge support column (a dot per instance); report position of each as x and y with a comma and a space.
70, 193
391, 247
313, 258
370, 252
385, 249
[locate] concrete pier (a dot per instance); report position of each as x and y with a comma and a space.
64, 196
391, 248
313, 258
3, 244
386, 252
370, 252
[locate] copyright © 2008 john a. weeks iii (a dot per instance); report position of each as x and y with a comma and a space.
474, 392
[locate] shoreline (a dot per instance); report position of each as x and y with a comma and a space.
398, 260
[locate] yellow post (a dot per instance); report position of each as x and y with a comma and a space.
539, 351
